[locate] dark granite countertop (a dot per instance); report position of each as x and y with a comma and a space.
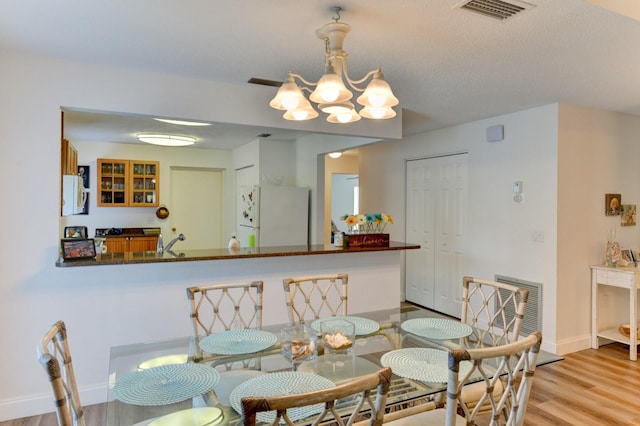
223, 254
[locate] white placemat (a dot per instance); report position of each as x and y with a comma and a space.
234, 342
165, 384
437, 328
281, 383
363, 327
424, 364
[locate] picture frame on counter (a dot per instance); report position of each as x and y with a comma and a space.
78, 248
75, 232
627, 254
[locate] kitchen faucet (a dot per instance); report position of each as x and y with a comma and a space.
180, 237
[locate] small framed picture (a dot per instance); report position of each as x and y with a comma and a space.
628, 215
627, 255
75, 232
83, 172
612, 204
76, 248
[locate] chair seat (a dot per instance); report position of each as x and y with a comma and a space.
426, 418
472, 393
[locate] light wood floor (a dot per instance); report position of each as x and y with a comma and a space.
590, 387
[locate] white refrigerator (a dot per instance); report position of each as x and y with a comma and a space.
74, 195
271, 216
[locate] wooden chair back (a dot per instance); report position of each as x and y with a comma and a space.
225, 306
363, 389
55, 358
513, 364
315, 296
494, 306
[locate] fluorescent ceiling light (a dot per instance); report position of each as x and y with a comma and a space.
166, 140
335, 154
182, 122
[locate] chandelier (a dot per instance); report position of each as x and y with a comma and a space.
331, 93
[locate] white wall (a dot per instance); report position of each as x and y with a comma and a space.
500, 230
598, 154
102, 306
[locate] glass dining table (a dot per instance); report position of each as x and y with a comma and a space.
149, 382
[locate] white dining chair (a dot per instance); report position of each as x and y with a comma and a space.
223, 307
370, 394
315, 296
513, 364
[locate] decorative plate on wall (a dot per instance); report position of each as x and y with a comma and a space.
162, 212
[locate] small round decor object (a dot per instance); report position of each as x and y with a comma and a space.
626, 330
162, 212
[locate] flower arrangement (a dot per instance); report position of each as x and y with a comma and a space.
367, 223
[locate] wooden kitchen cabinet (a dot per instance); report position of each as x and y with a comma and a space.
143, 244
69, 159
131, 244
144, 183
117, 244
128, 183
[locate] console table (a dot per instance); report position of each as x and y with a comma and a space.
622, 277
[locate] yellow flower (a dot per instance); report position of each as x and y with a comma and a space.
351, 221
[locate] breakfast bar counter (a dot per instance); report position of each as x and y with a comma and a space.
224, 254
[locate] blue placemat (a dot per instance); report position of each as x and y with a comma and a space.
233, 342
281, 383
424, 364
437, 328
363, 326
165, 384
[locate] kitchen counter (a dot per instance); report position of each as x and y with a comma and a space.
224, 254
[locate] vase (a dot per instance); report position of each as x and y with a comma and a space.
613, 253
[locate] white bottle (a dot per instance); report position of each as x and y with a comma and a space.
234, 244
160, 245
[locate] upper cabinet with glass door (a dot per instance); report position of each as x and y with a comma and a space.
128, 183
144, 183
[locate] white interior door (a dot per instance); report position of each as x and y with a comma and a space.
196, 208
436, 219
419, 282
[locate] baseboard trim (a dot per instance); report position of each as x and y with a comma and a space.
568, 346
35, 405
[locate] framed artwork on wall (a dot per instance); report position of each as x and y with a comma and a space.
612, 203
83, 172
628, 215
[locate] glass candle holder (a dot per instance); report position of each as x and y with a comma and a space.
338, 336
299, 343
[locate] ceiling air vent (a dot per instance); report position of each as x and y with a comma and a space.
496, 9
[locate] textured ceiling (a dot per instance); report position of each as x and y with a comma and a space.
446, 65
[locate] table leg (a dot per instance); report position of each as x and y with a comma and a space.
633, 321
594, 310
